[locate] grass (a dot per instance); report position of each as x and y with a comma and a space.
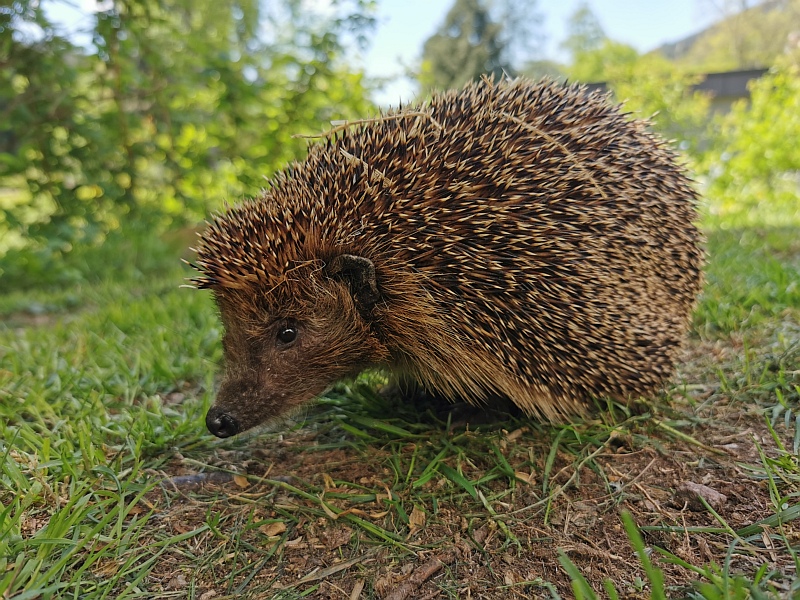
111, 488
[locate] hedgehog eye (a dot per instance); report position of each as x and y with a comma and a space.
287, 334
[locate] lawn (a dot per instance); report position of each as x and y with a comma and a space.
110, 486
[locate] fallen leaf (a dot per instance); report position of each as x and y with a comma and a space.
356, 593
328, 510
417, 519
691, 493
295, 543
178, 582
528, 478
273, 529
510, 437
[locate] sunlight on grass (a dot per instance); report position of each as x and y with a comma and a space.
103, 388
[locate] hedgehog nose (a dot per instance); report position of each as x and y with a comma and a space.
220, 423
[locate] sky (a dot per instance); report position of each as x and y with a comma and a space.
404, 25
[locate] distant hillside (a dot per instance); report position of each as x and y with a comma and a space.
749, 39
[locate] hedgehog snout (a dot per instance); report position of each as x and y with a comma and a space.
221, 424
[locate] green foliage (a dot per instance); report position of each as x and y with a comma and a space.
653, 88
129, 255
175, 106
748, 34
594, 56
650, 86
537, 69
602, 63
752, 172
747, 159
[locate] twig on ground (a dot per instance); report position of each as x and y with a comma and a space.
420, 575
195, 480
324, 573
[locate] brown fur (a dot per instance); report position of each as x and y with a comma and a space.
527, 240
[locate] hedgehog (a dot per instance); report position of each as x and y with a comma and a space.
518, 240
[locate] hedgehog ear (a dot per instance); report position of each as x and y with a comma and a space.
359, 273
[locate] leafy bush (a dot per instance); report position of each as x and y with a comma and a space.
173, 107
753, 171
651, 87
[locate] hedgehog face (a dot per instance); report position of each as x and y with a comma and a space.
280, 354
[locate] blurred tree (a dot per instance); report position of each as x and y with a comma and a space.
752, 169
174, 106
480, 38
522, 37
584, 33
466, 46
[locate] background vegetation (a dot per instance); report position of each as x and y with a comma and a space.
117, 141
156, 113
159, 110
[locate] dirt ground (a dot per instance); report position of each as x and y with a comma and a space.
279, 534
